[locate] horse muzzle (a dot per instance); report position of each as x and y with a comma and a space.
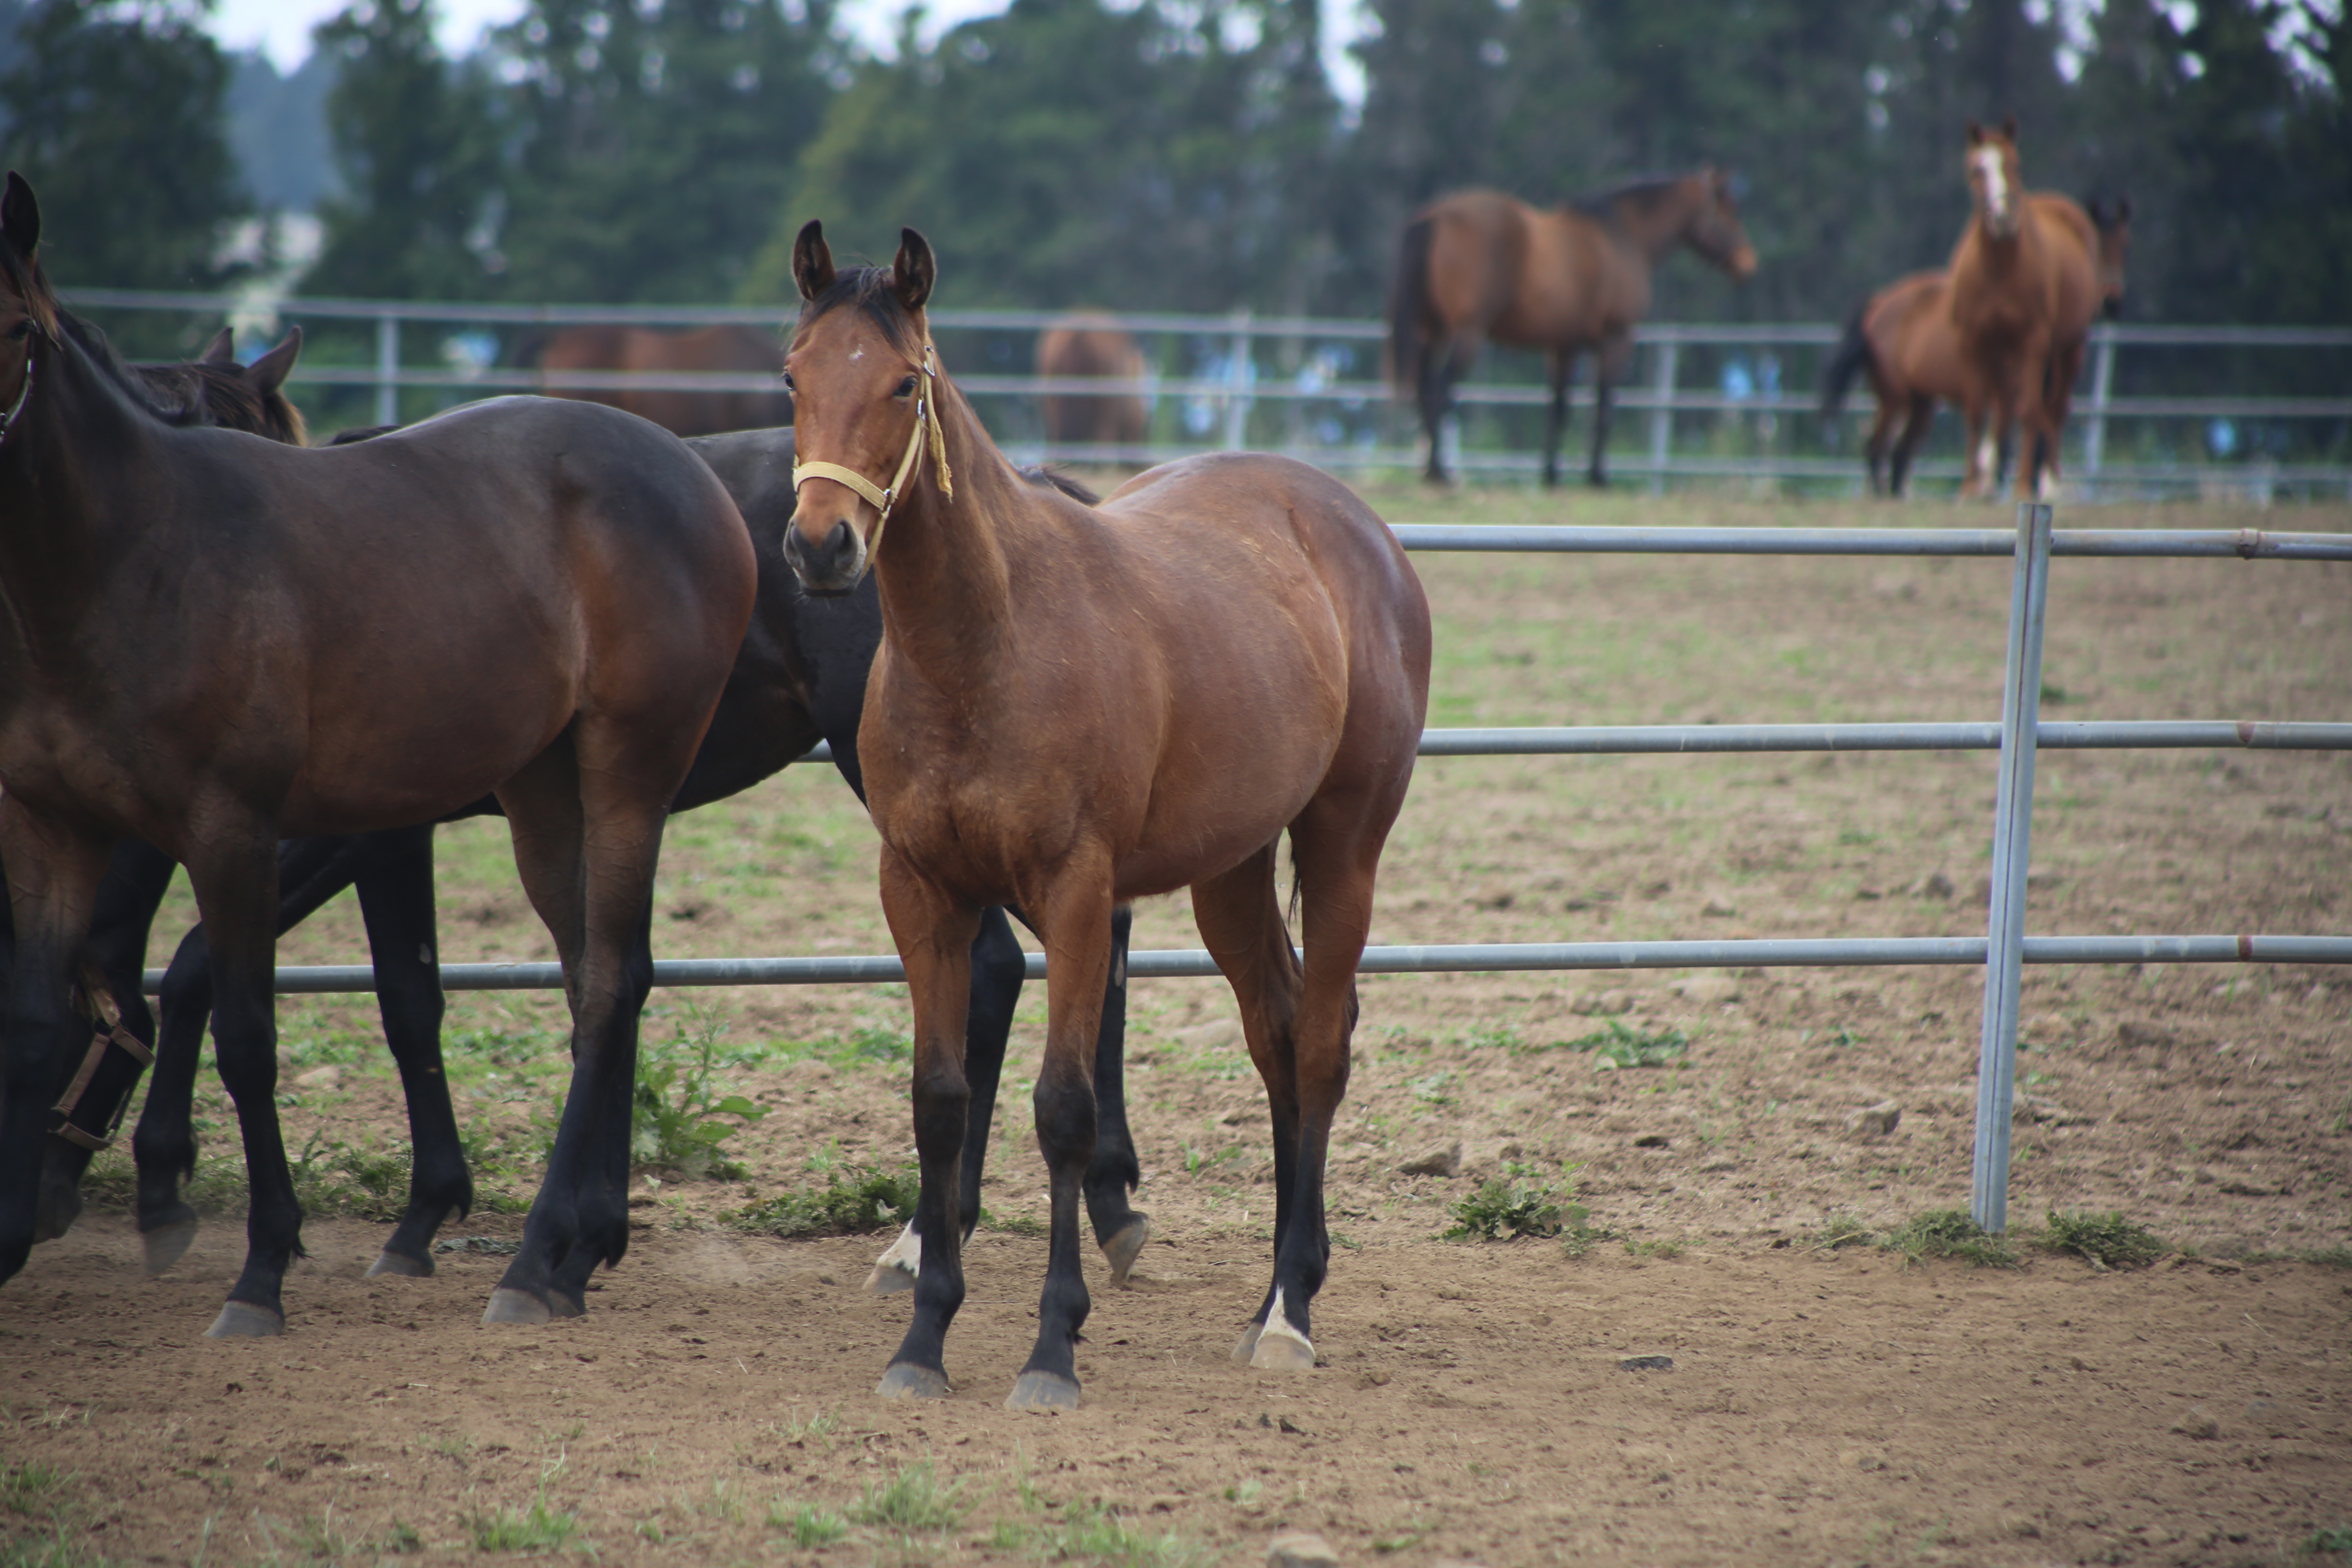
1743, 264
831, 566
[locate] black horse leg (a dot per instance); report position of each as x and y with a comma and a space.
137, 876
1563, 365
1603, 392
1915, 426
1436, 394
396, 901
1119, 1230
164, 1147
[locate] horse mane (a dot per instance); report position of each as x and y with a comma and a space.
875, 291
1052, 478
173, 403
1602, 204
30, 284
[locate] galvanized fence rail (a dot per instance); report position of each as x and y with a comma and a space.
2017, 736
1239, 381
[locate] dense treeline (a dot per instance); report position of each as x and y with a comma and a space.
1191, 153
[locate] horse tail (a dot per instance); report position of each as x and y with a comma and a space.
1409, 303
1850, 354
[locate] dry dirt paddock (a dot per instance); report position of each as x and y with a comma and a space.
1824, 1404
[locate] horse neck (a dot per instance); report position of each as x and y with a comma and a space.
66, 511
942, 568
1658, 221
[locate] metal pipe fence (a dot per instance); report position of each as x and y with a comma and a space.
1223, 401
2017, 736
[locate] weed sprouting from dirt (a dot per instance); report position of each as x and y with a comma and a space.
677, 1123
1949, 1233
854, 1198
819, 1424
538, 1528
1616, 1046
1842, 1230
366, 1181
2105, 1241
807, 1524
915, 1498
2329, 1256
1093, 1533
34, 1488
1013, 1224
2336, 1542
1518, 1202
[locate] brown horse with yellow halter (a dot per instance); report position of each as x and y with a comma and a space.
1480, 266
1074, 707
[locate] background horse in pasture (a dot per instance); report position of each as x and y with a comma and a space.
1089, 346
1901, 338
2088, 247
1074, 707
800, 676
1480, 266
751, 350
215, 642
2005, 280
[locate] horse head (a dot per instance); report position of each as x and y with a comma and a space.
865, 387
2112, 218
1996, 184
27, 312
1715, 230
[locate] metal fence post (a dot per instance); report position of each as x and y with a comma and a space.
2095, 429
2020, 716
1662, 417
387, 369
1237, 376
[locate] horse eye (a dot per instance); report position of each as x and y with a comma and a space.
906, 387
21, 330
789, 386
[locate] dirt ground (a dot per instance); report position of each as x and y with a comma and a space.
1847, 1405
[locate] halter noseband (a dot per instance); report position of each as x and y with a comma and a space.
927, 424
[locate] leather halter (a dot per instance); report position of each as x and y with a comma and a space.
24, 394
927, 424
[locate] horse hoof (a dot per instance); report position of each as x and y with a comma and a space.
1121, 1250
889, 1278
1246, 1346
400, 1263
57, 1207
167, 1244
1281, 1348
905, 1380
244, 1321
1045, 1391
511, 1306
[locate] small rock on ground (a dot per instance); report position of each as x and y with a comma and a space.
1875, 1121
1602, 1003
1300, 1549
1708, 989
1437, 1160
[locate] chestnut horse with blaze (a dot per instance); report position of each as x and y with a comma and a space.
1479, 267
2005, 281
1074, 707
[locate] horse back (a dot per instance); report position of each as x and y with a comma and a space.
2074, 243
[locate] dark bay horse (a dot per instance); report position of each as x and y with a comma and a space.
799, 677
749, 350
217, 641
1902, 340
1089, 346
1480, 266
1072, 707
2004, 312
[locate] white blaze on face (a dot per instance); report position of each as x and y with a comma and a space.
1994, 172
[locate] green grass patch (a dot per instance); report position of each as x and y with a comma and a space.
1950, 1233
2104, 1240
367, 1180
682, 1113
2329, 1256
913, 1500
2334, 1543
807, 1525
852, 1199
1842, 1230
1617, 1046
1520, 1201
1094, 1534
538, 1528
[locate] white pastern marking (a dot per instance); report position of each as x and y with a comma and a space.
1988, 454
2045, 486
905, 1253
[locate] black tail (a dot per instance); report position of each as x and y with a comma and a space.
1852, 353
1408, 306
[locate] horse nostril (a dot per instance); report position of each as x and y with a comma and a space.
841, 541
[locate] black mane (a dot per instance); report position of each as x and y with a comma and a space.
182, 410
1602, 204
875, 291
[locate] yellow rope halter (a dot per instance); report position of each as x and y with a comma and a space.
927, 423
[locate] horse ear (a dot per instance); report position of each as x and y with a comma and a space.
20, 216
2009, 128
222, 350
1975, 135
812, 260
269, 372
916, 271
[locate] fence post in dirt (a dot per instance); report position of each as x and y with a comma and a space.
1661, 417
2095, 429
387, 369
2020, 718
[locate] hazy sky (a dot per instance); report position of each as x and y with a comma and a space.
282, 28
